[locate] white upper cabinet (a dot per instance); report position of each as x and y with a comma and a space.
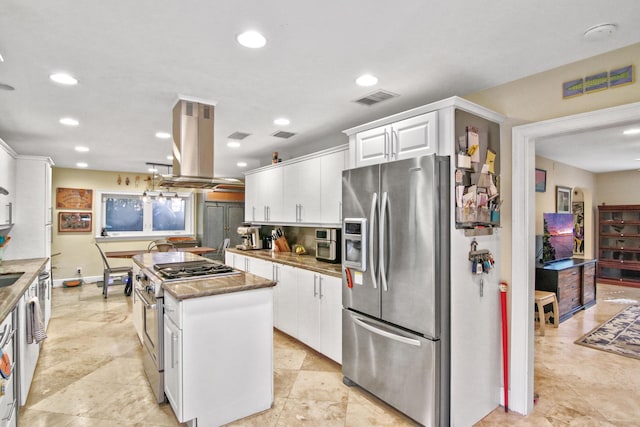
411, 137
305, 191
8, 182
331, 167
301, 189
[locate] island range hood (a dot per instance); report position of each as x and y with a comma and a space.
193, 149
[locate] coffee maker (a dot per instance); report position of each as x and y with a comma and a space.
250, 238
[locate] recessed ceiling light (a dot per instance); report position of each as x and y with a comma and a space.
81, 165
241, 164
154, 170
82, 149
251, 39
63, 79
281, 121
366, 80
69, 121
233, 144
169, 157
163, 135
231, 179
1, 58
633, 131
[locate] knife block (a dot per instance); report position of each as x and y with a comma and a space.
281, 245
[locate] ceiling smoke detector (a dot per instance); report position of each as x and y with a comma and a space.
600, 31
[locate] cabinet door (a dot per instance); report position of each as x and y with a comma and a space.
331, 317
269, 205
286, 299
214, 224
372, 146
309, 304
331, 167
137, 311
302, 186
415, 136
588, 283
7, 180
173, 366
261, 268
251, 184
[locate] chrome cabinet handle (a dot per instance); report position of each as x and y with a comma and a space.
397, 143
10, 413
315, 282
320, 286
386, 144
10, 206
173, 350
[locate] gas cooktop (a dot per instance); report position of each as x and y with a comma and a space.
192, 270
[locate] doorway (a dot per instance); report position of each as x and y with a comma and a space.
523, 250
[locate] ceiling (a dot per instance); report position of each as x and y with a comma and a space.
133, 59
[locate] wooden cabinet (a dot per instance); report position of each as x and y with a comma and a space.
619, 245
573, 282
412, 137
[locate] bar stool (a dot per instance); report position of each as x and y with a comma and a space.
543, 298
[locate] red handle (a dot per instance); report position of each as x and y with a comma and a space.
349, 278
505, 343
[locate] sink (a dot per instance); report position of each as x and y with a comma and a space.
8, 279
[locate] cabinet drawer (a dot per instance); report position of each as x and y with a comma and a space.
569, 290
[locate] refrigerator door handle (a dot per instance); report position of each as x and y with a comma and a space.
384, 333
372, 226
383, 214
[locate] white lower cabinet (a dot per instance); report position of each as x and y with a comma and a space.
286, 299
29, 352
138, 305
320, 315
218, 356
8, 345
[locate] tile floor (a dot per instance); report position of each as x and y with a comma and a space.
90, 374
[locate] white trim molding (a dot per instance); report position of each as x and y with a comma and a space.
523, 223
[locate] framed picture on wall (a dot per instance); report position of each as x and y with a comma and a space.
563, 199
541, 180
74, 222
578, 227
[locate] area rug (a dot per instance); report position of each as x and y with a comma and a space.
618, 335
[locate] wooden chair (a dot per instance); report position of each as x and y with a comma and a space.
160, 246
110, 272
543, 298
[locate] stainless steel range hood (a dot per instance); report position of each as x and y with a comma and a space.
193, 149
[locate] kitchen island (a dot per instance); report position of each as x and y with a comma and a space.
217, 342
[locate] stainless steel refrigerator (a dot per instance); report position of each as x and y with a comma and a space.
395, 255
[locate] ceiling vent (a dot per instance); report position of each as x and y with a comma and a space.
238, 135
283, 134
375, 97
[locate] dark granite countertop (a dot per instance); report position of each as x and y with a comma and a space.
10, 295
307, 262
195, 288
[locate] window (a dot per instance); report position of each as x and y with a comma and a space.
127, 215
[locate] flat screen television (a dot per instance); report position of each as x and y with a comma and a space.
557, 238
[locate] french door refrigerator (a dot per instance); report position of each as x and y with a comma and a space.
395, 317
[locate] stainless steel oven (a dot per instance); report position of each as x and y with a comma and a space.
328, 244
149, 292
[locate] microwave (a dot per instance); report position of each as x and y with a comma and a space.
328, 245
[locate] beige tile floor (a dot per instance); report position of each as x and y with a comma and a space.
90, 374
